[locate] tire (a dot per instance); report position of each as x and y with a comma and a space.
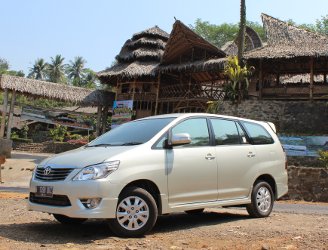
195, 211
68, 220
262, 200
136, 213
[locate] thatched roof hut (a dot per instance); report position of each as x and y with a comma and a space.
287, 41
187, 51
252, 41
57, 91
138, 57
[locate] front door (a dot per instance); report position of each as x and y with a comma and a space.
192, 169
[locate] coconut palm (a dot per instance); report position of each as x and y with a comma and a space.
56, 69
76, 71
39, 70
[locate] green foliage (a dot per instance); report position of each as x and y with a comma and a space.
75, 70
58, 133
213, 107
56, 69
24, 131
220, 34
21, 140
238, 76
323, 157
39, 70
75, 137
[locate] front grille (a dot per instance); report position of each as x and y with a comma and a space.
55, 174
56, 200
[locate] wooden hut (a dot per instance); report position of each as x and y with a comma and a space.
293, 64
61, 92
134, 74
191, 72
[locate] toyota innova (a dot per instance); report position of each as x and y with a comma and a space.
163, 164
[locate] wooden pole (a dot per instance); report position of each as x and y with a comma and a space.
99, 108
2, 161
11, 114
260, 79
104, 119
4, 113
311, 79
157, 92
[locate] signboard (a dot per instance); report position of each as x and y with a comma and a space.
303, 145
122, 112
59, 117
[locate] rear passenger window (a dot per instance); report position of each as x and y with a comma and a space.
257, 133
226, 132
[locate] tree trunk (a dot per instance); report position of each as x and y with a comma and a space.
241, 41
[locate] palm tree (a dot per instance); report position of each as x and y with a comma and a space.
57, 69
242, 27
39, 70
76, 71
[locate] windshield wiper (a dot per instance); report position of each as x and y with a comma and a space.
131, 143
100, 145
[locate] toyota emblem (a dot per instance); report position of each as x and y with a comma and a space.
47, 171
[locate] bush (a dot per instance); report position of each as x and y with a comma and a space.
58, 133
323, 157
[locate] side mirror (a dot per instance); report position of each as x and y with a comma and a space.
180, 139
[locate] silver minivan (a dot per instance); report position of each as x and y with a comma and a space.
163, 164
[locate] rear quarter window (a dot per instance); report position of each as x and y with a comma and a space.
257, 134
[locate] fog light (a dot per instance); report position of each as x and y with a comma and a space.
91, 203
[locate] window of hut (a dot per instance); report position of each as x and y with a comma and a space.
125, 88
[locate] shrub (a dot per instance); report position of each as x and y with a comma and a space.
58, 133
323, 157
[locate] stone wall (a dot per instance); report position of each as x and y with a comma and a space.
303, 117
45, 147
309, 184
5, 147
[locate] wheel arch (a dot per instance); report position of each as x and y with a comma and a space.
150, 187
270, 180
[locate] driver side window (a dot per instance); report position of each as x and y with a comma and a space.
197, 129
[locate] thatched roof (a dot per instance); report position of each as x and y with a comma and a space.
56, 91
182, 40
216, 64
138, 57
252, 41
288, 41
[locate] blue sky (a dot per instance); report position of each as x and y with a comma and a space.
97, 29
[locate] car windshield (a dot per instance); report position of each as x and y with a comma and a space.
131, 133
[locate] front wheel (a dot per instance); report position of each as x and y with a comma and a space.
136, 213
68, 220
261, 200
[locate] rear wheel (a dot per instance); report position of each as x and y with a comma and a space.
68, 220
136, 213
195, 211
262, 200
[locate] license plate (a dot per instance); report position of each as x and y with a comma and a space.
44, 191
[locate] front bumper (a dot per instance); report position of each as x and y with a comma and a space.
75, 191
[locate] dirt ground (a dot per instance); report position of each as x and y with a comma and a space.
214, 229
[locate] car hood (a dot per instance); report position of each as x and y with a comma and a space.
85, 156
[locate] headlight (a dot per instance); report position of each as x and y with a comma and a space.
97, 171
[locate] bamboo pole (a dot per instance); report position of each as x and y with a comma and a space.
11, 114
2, 161
4, 113
157, 92
104, 118
260, 79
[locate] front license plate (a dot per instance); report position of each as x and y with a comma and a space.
44, 191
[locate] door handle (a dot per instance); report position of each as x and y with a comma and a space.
209, 157
250, 155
